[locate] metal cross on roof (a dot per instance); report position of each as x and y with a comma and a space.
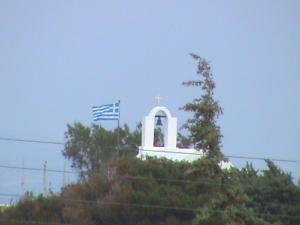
158, 100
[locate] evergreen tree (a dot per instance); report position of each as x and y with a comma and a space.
205, 134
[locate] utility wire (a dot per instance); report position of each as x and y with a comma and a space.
229, 156
36, 169
217, 182
203, 180
139, 205
30, 222
31, 141
160, 151
142, 178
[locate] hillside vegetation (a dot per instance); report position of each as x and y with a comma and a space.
116, 188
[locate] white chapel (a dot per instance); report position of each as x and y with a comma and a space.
159, 138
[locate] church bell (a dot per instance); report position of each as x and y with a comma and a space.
158, 122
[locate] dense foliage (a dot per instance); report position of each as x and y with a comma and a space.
164, 192
89, 148
273, 194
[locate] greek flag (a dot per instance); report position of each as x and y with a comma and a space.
106, 112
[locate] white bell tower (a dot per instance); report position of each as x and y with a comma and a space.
164, 145
170, 130
160, 119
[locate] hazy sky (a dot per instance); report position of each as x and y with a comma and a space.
58, 58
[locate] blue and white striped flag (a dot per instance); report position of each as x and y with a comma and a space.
106, 112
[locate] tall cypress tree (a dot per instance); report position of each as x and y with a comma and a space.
204, 132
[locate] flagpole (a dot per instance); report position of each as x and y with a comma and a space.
118, 133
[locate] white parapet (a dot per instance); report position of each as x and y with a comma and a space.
178, 154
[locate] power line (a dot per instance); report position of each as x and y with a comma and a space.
229, 156
31, 141
203, 180
116, 203
30, 222
160, 151
139, 205
217, 182
36, 169
261, 158
127, 177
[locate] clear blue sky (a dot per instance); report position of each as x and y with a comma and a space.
58, 58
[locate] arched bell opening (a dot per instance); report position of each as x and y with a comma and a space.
160, 129
161, 119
